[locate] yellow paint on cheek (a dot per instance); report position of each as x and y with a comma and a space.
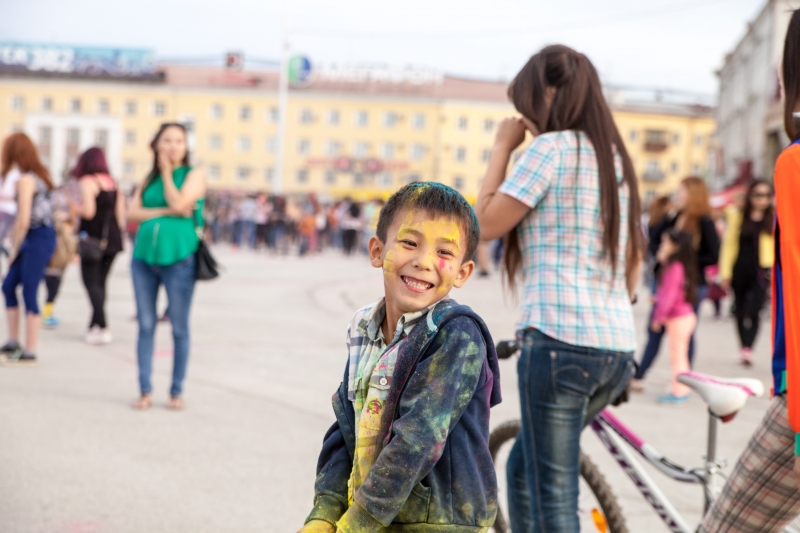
389, 263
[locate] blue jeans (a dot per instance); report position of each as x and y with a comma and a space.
654, 338
178, 280
562, 388
28, 268
247, 227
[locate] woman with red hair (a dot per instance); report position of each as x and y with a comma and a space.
34, 241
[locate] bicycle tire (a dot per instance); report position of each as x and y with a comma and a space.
589, 472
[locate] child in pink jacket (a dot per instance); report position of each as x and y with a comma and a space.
674, 311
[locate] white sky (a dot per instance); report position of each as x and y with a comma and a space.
653, 43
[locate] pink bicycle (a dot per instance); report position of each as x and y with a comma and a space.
598, 508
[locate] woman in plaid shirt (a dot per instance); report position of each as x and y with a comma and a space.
570, 209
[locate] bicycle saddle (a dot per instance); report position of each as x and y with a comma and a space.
724, 396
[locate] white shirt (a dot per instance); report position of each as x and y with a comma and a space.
8, 192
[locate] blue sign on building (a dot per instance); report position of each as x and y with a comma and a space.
79, 60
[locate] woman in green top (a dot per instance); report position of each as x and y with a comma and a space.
168, 206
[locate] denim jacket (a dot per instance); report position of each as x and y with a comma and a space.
433, 472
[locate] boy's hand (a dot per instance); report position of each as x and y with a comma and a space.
317, 526
510, 134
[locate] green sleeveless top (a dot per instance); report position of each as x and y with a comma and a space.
167, 240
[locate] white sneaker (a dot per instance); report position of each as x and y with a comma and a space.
105, 336
93, 336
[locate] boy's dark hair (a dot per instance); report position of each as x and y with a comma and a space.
436, 199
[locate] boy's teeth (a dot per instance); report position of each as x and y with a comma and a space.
417, 285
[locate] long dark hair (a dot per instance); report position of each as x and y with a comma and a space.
684, 241
18, 149
92, 161
791, 76
765, 226
155, 171
578, 104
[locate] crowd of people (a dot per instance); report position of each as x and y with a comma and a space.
291, 224
409, 446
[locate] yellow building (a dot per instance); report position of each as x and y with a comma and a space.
359, 132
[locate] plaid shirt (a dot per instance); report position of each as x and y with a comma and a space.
372, 364
570, 293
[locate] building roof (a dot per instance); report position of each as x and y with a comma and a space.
362, 82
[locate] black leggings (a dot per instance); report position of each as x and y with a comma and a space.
94, 279
749, 298
52, 283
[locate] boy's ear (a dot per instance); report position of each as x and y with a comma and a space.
463, 274
376, 247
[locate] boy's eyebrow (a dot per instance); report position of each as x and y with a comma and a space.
418, 233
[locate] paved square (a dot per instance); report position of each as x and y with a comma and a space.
267, 354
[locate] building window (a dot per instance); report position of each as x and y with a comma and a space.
486, 154
458, 183
698, 140
330, 177
73, 138
101, 138
488, 125
102, 107
215, 142
413, 178
302, 176
47, 104
418, 121
16, 128
269, 173
360, 149
655, 140
17, 102
386, 180
306, 116
652, 171
215, 111
213, 172
130, 107
303, 146
461, 154
361, 118
387, 151
45, 142
333, 117
244, 112
390, 119
159, 109
462, 123
243, 144
358, 180
676, 138
273, 114
633, 135
243, 173
272, 145
128, 169
674, 167
333, 148
75, 105
417, 152
130, 137
696, 169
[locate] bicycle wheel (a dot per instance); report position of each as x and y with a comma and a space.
597, 506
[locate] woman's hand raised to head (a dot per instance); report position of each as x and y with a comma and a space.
510, 134
165, 166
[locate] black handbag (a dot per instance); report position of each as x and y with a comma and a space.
206, 267
92, 249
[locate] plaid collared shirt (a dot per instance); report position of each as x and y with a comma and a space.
569, 292
370, 378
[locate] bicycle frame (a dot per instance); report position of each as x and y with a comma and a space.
611, 432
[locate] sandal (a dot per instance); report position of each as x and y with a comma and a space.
175, 403
144, 402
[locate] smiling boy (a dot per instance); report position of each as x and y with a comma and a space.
409, 449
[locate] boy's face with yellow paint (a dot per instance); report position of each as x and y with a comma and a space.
422, 260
